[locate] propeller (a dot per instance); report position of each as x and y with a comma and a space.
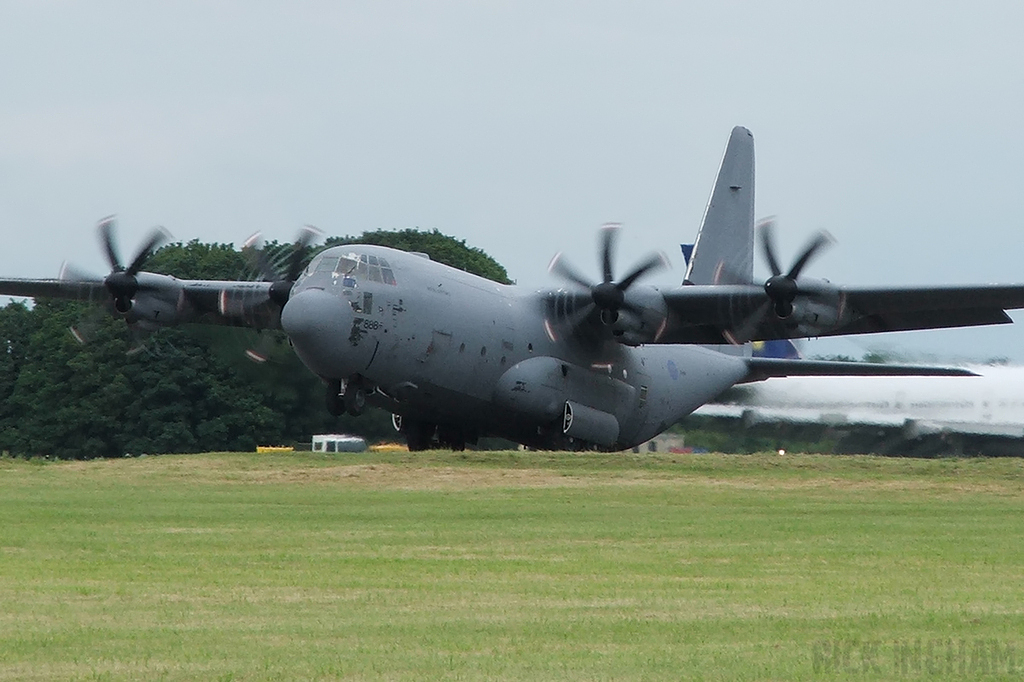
608, 296
781, 288
278, 267
122, 282
281, 266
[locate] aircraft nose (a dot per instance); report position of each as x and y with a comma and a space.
318, 323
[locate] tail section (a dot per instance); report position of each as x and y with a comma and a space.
724, 250
776, 348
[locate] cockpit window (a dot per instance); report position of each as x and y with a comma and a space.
346, 265
327, 264
352, 268
375, 269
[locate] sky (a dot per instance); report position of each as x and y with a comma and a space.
521, 127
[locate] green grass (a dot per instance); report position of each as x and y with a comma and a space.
511, 566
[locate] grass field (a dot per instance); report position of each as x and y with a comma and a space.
511, 566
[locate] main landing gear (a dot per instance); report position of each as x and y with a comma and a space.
422, 435
346, 397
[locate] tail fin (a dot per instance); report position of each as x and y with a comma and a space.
777, 348
724, 251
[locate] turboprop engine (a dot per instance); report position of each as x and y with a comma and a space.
642, 318
630, 313
157, 302
818, 308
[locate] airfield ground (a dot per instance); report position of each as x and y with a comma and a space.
511, 566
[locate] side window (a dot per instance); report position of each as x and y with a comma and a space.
311, 268
327, 264
386, 273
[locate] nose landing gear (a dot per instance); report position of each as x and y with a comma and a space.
346, 397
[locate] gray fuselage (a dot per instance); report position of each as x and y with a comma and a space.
443, 346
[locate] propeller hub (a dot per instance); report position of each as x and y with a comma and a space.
280, 291
121, 284
608, 296
781, 288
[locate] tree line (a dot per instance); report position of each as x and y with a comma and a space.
183, 389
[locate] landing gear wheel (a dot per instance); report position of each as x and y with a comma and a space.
418, 435
451, 438
355, 400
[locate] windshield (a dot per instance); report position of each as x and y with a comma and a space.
352, 268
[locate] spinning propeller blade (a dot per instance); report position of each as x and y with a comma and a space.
279, 267
781, 289
608, 296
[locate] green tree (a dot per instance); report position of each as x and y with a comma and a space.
196, 260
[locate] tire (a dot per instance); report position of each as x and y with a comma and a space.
418, 435
451, 438
355, 400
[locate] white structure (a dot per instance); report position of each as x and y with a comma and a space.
991, 404
335, 442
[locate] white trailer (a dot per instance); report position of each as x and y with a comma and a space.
336, 442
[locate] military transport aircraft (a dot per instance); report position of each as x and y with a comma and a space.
604, 365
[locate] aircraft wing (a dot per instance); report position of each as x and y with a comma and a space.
884, 309
162, 300
730, 313
54, 288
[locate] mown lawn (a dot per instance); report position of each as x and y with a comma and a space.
511, 566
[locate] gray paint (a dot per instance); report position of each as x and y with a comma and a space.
451, 351
449, 346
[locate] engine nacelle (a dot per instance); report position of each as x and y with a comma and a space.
643, 321
817, 311
158, 302
549, 390
536, 387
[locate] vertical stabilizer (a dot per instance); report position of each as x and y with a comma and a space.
724, 251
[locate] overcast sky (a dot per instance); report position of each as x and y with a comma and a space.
521, 127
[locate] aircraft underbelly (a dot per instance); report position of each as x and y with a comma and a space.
681, 379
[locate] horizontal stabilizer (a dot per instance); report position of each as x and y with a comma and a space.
767, 368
